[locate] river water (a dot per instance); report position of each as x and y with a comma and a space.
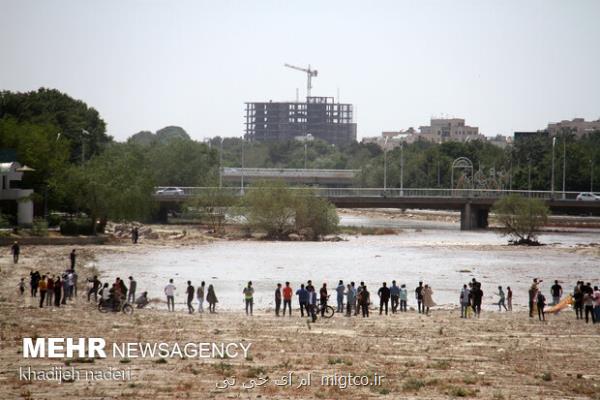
434, 252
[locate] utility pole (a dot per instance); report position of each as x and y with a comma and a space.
564, 166
401, 168
242, 181
385, 163
529, 176
552, 183
591, 176
221, 164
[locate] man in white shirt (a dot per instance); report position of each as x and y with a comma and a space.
170, 292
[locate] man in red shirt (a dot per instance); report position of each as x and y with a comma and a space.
287, 298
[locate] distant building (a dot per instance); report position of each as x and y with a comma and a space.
449, 130
578, 126
524, 134
500, 141
12, 197
320, 117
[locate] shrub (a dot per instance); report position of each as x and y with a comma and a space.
521, 217
39, 227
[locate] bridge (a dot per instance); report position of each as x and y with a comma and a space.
337, 177
474, 204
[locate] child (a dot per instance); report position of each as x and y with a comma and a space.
22, 287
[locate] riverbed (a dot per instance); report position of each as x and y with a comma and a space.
436, 253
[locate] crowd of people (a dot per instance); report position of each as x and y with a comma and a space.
351, 299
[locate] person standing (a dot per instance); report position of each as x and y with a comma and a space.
287, 298
364, 300
465, 301
249, 298
477, 297
403, 297
502, 301
312, 302
578, 300
57, 291
277, 299
384, 298
541, 303
556, 291
132, 288
22, 287
190, 296
596, 297
419, 297
533, 292
94, 287
43, 286
323, 297
588, 302
395, 296
170, 293
135, 235
303, 300
340, 296
427, 299
16, 251
49, 291
211, 299
75, 277
356, 293
73, 258
200, 297
509, 296
34, 279
349, 300
65, 288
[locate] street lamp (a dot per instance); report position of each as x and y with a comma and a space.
307, 137
401, 168
529, 176
83, 133
591, 176
221, 164
564, 165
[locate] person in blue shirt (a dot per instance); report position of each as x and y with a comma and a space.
403, 298
395, 295
340, 296
303, 297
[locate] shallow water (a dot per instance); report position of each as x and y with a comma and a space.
445, 258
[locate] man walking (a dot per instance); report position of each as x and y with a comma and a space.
384, 298
465, 301
323, 298
501, 302
73, 258
95, 285
190, 296
170, 293
287, 298
249, 298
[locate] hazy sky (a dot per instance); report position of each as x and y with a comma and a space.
502, 65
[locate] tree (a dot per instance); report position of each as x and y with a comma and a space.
521, 218
270, 207
213, 204
314, 216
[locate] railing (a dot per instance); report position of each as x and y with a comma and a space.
289, 172
387, 193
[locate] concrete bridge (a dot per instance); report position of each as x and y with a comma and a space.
474, 204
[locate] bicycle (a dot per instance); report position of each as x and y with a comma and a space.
328, 310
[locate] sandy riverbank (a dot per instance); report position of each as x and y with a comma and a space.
498, 356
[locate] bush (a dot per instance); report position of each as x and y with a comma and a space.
54, 220
39, 227
80, 226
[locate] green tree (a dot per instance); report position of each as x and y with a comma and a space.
270, 207
213, 204
314, 216
521, 217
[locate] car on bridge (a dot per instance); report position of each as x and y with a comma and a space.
170, 191
588, 196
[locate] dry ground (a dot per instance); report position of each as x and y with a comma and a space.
500, 356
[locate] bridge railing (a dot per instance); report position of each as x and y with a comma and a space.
387, 193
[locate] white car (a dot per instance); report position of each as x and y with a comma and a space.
170, 191
588, 196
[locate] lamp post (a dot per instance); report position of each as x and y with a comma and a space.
307, 137
552, 183
83, 133
529, 176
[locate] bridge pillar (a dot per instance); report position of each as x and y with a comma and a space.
472, 218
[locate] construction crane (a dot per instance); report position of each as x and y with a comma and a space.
309, 75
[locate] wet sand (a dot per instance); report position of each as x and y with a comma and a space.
500, 355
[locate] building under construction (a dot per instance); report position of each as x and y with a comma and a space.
320, 117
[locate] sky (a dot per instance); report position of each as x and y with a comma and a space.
504, 66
